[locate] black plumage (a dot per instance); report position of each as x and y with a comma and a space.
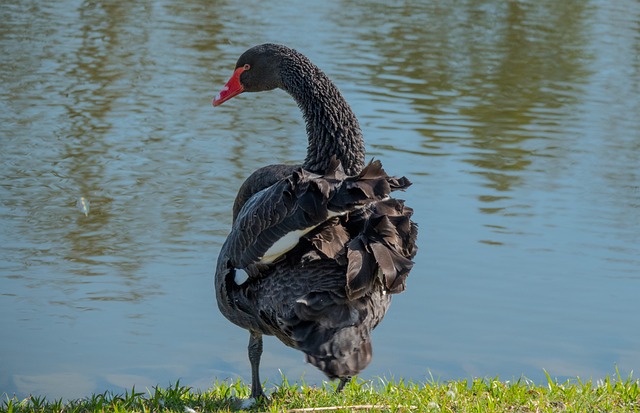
324, 243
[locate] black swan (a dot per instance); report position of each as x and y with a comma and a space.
323, 243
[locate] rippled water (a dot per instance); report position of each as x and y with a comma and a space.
518, 123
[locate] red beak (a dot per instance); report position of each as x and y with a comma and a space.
231, 89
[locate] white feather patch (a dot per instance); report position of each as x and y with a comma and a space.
240, 277
283, 245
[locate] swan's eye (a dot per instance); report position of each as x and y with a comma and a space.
247, 67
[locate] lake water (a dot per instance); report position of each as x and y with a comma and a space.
518, 122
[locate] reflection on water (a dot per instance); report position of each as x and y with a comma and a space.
516, 121
499, 77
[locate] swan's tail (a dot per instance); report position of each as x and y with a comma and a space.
344, 364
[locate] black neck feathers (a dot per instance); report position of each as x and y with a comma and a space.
332, 127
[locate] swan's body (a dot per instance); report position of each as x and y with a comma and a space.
323, 243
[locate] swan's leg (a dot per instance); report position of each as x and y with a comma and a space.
343, 381
255, 351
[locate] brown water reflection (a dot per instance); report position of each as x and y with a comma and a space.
516, 121
493, 75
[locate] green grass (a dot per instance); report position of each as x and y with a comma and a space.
479, 395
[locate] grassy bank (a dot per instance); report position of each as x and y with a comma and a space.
612, 394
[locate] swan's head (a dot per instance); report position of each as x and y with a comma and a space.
257, 70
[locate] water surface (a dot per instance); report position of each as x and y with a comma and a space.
517, 122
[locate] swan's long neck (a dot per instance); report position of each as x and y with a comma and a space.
332, 127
